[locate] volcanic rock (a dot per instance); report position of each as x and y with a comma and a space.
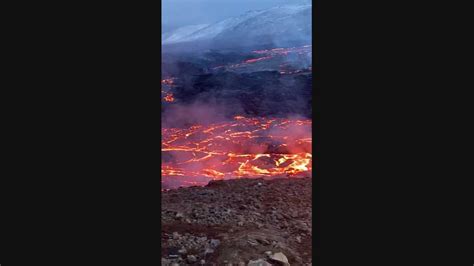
298, 239
279, 258
176, 235
208, 251
217, 237
191, 258
259, 262
215, 243
182, 251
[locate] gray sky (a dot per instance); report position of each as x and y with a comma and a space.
176, 13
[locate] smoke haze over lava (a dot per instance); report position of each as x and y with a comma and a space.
238, 111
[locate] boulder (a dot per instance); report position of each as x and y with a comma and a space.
280, 258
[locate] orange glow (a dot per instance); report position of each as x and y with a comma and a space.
168, 84
241, 148
169, 81
270, 54
250, 61
169, 97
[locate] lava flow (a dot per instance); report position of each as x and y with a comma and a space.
168, 96
276, 54
303, 50
241, 148
167, 85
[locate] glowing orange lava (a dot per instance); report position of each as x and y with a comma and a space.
169, 97
242, 148
167, 85
250, 61
270, 54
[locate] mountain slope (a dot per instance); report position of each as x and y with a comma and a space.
278, 25
181, 33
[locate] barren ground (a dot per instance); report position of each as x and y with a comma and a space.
235, 221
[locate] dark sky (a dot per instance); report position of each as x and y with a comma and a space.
177, 13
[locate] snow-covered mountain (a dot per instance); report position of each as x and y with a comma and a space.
180, 33
278, 25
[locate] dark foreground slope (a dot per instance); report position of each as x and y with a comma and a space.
238, 221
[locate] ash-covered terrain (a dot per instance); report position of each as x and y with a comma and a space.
238, 222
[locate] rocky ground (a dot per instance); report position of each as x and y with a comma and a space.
238, 222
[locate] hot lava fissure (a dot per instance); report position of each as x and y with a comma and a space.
241, 148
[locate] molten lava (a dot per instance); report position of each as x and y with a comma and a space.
167, 85
276, 54
169, 97
250, 61
242, 148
